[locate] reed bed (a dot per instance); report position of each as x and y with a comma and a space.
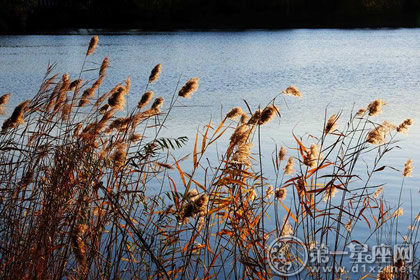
89, 190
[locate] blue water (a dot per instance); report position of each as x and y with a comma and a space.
337, 69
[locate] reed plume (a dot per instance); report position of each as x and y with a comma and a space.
189, 88
270, 191
244, 118
293, 91
240, 135
331, 124
408, 168
289, 168
267, 114
377, 192
234, 113
361, 112
154, 75
280, 194
255, 118
4, 99
79, 247
403, 127
104, 67
378, 134
75, 84
398, 213
312, 156
157, 105
117, 99
375, 107
286, 229
92, 45
17, 116
241, 156
145, 99
282, 153
119, 156
329, 193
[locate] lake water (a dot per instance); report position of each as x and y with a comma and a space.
333, 68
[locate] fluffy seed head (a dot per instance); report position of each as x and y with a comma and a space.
289, 168
104, 66
403, 127
75, 84
255, 118
145, 99
397, 213
377, 192
408, 168
241, 156
292, 90
267, 114
348, 225
92, 45
361, 112
378, 134
189, 88
270, 191
329, 193
282, 153
286, 229
234, 113
4, 99
375, 107
331, 124
117, 99
280, 193
119, 156
17, 116
244, 118
312, 156
157, 104
154, 75
386, 273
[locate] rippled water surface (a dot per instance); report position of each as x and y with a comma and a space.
334, 68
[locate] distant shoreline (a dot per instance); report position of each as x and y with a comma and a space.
139, 31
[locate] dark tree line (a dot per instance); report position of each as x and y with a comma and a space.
50, 15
